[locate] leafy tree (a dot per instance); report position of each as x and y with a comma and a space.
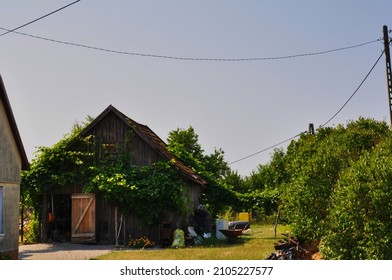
217, 195
236, 181
270, 175
262, 187
184, 143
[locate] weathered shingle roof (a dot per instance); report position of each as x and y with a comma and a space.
14, 128
152, 139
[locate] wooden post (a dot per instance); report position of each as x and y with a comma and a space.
277, 221
44, 229
22, 220
117, 229
115, 225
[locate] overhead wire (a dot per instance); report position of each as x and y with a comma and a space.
330, 119
356, 90
266, 149
188, 58
202, 59
37, 19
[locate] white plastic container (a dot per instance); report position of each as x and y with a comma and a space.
221, 224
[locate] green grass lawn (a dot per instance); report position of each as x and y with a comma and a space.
255, 245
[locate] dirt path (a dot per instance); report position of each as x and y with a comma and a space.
62, 251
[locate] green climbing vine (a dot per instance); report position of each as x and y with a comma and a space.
148, 191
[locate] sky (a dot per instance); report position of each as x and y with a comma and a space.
241, 107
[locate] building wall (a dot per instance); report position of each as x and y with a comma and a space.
10, 169
10, 242
195, 193
10, 161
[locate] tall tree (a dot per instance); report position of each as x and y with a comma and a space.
184, 143
217, 196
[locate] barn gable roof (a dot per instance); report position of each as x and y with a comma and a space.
14, 128
149, 137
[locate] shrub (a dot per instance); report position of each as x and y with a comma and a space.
315, 163
360, 218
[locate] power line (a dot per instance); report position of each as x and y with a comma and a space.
35, 20
341, 108
266, 149
356, 90
189, 58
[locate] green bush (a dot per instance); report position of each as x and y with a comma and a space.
31, 230
315, 164
361, 214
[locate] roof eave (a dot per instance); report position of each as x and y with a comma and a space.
13, 125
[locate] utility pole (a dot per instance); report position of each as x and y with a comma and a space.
311, 129
388, 69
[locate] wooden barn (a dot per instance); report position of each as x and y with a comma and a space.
88, 217
12, 160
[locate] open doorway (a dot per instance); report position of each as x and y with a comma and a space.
59, 218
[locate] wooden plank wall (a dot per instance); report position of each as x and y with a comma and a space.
113, 130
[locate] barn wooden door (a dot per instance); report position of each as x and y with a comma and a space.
83, 218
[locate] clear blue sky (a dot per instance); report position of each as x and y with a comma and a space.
241, 107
